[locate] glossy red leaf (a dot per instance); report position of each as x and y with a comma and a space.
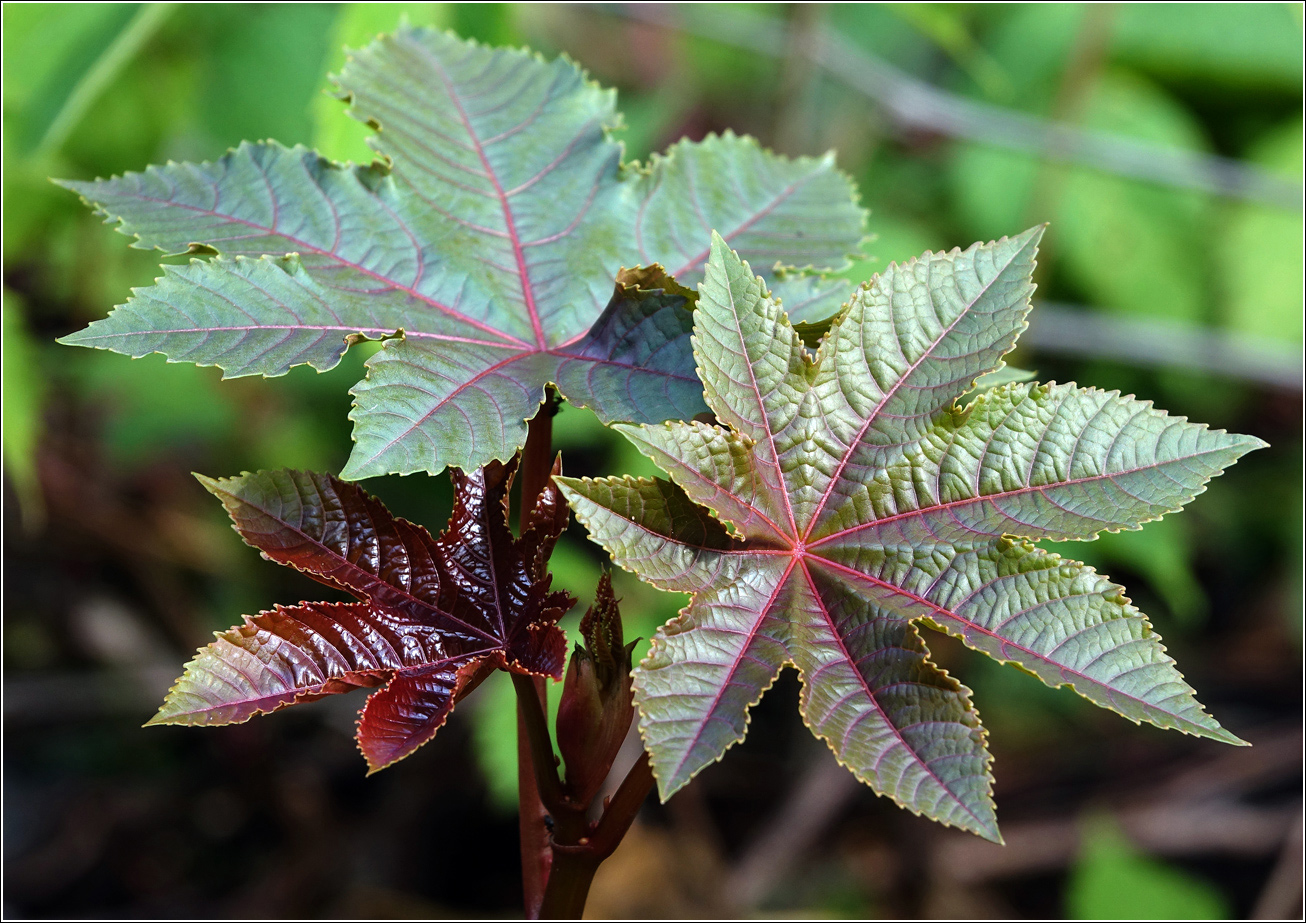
430, 610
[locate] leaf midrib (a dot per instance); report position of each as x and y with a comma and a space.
761, 402
358, 267
748, 223
739, 656
927, 353
953, 617
448, 617
1016, 492
870, 695
528, 291
325, 328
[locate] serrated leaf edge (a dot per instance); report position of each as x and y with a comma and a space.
1000, 390
968, 695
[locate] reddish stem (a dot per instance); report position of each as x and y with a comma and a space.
536, 854
559, 860
576, 859
532, 817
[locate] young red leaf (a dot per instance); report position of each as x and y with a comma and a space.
596, 708
430, 608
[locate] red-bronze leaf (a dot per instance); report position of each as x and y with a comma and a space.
430, 610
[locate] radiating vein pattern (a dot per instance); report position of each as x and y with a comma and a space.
482, 247
846, 495
428, 607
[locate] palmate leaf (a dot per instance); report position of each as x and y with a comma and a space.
430, 609
483, 249
847, 495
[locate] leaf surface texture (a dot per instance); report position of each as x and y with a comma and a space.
846, 495
428, 610
482, 247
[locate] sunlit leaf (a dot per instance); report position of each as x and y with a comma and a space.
483, 247
845, 496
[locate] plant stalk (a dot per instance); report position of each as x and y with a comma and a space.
576, 861
536, 854
577, 847
569, 882
532, 818
559, 859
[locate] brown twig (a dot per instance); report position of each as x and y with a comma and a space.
823, 791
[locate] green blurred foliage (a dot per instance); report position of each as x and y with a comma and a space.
1260, 252
1114, 881
23, 389
355, 26
1162, 553
1131, 247
1128, 246
1223, 44
263, 69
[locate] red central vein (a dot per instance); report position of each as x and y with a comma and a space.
766, 421
374, 579
968, 501
1005, 642
740, 654
1019, 491
339, 328
425, 299
494, 576
871, 418
902, 379
527, 291
758, 216
870, 694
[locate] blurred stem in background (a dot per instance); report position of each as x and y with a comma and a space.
116, 54
914, 104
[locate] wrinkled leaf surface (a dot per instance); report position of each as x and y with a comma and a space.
846, 496
483, 248
429, 609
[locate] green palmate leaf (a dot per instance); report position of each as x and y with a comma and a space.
848, 494
483, 248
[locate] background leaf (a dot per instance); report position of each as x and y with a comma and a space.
518, 151
1113, 880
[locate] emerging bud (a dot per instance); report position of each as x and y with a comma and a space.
597, 705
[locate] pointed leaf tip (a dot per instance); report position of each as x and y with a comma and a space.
427, 606
473, 359
211, 484
843, 498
